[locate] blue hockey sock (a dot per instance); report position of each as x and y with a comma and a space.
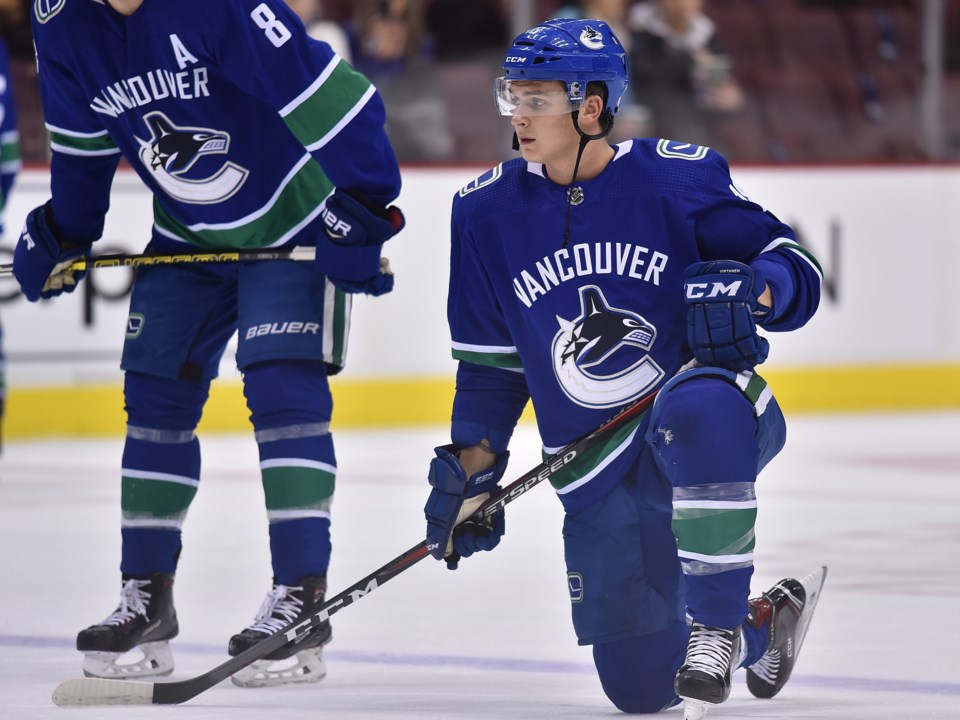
706, 443
160, 470
757, 640
290, 407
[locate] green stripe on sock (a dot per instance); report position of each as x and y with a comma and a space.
290, 488
706, 531
155, 498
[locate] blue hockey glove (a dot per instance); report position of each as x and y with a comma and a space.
40, 263
348, 250
453, 499
722, 312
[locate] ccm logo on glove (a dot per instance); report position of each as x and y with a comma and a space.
697, 291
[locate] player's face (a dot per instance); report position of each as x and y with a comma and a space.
542, 121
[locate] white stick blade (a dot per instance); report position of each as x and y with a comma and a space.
100, 691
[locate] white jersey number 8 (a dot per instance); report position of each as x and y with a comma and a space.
275, 30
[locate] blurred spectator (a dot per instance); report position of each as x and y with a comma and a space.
15, 31
311, 13
468, 30
388, 45
468, 40
15, 27
680, 71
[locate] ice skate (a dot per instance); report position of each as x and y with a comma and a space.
788, 608
704, 678
144, 622
297, 662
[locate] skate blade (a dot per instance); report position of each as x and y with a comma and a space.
695, 709
144, 661
307, 666
812, 585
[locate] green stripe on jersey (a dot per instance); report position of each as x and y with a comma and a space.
587, 464
715, 531
318, 114
9, 151
83, 145
298, 199
155, 498
803, 251
297, 488
509, 361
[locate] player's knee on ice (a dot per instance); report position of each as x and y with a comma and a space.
637, 672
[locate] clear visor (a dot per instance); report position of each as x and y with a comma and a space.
532, 97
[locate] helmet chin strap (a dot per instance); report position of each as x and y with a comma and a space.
584, 139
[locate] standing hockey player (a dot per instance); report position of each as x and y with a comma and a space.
9, 167
250, 135
584, 277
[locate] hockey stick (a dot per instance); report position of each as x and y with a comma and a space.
124, 260
102, 691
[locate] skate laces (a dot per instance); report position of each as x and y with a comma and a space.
709, 650
281, 607
133, 602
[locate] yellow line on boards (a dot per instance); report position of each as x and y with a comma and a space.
97, 410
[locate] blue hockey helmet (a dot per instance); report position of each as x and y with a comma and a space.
575, 52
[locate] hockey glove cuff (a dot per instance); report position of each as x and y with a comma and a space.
722, 312
348, 249
40, 263
453, 499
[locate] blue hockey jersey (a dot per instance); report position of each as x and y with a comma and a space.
591, 325
238, 122
9, 138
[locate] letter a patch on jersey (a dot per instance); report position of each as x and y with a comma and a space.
46, 9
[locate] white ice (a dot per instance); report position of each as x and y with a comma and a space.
876, 498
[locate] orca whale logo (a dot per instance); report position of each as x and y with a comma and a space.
584, 346
591, 38
171, 151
